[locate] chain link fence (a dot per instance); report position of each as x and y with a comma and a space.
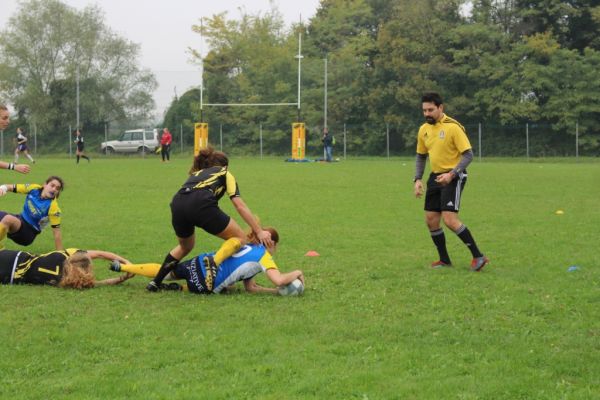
528, 140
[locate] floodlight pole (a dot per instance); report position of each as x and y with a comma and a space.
201, 71
325, 96
77, 97
299, 57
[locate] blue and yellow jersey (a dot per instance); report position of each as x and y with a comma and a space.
445, 141
44, 269
246, 263
38, 212
217, 180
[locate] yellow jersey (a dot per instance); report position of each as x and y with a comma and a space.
444, 141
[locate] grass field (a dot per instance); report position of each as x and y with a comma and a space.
375, 321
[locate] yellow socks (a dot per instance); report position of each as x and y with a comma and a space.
149, 270
3, 233
227, 249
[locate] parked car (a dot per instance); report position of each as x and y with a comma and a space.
132, 141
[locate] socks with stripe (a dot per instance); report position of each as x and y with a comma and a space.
465, 235
439, 239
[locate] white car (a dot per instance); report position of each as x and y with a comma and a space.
132, 141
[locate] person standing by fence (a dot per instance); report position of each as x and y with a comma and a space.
165, 145
446, 143
327, 144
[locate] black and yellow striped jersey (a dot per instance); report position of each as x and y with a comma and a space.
43, 269
444, 141
217, 180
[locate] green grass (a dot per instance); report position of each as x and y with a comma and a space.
375, 321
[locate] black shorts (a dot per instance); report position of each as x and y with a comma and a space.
80, 146
25, 235
197, 208
440, 198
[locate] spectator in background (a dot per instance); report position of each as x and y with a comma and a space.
80, 146
328, 144
165, 144
22, 146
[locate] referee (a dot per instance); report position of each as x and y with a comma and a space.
445, 141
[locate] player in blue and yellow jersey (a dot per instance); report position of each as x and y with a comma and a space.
243, 266
40, 209
196, 204
446, 143
70, 268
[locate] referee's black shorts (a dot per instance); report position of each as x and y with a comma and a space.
197, 208
440, 198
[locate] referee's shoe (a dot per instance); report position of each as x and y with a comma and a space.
478, 263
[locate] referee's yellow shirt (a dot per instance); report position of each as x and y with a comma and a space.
444, 142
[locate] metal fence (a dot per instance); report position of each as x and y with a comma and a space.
528, 140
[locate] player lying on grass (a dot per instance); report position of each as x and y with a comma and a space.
243, 266
71, 268
41, 207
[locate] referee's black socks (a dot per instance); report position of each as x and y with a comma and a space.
465, 235
439, 239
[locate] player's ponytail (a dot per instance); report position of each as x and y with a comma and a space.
209, 157
78, 272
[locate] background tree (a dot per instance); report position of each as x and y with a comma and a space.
501, 63
41, 51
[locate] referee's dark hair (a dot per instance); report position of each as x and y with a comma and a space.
432, 97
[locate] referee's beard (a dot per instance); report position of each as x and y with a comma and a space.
430, 120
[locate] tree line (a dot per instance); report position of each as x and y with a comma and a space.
497, 62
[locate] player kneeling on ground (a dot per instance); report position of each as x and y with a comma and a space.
244, 265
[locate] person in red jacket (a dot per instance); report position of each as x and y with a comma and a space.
165, 144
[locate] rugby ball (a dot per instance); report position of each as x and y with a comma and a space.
293, 288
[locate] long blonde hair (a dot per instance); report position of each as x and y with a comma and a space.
78, 272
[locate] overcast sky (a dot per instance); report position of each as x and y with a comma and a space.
163, 29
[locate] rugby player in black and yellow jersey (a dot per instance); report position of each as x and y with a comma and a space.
70, 268
446, 143
196, 204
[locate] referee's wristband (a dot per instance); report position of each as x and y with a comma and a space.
11, 166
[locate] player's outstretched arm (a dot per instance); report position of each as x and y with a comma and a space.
252, 287
282, 279
107, 255
22, 168
114, 281
246, 214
